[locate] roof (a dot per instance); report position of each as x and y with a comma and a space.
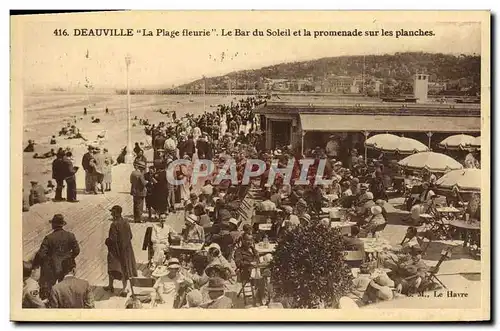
383, 123
314, 104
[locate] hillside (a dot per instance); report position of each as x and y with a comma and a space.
389, 69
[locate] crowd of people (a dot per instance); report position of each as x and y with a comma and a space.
212, 215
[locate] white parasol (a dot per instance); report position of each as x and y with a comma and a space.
458, 141
434, 162
387, 142
464, 180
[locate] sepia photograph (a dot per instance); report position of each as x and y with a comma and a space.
310, 163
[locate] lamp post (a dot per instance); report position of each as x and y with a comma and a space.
129, 157
429, 135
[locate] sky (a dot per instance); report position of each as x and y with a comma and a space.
49, 60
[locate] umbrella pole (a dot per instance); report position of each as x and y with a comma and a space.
366, 133
429, 135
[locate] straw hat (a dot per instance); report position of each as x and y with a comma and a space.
234, 221
376, 210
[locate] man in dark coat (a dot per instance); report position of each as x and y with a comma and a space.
204, 147
56, 247
88, 171
138, 189
189, 147
70, 179
58, 174
121, 258
71, 292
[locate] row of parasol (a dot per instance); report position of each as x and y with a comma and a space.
455, 176
387, 142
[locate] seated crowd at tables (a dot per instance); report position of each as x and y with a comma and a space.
213, 218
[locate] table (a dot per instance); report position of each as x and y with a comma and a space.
190, 248
210, 209
264, 250
344, 226
448, 210
470, 232
373, 246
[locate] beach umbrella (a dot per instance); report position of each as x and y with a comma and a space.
464, 180
476, 143
434, 162
390, 143
458, 141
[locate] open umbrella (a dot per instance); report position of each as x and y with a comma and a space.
465, 180
458, 141
434, 162
390, 143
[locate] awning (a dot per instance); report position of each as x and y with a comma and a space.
383, 123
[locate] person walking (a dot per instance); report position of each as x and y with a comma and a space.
55, 248
97, 163
71, 292
138, 189
121, 258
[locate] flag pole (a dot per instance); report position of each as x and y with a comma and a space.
129, 156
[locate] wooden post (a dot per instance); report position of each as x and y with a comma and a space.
366, 133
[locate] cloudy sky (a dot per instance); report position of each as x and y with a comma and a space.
49, 60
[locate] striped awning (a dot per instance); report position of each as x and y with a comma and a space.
385, 123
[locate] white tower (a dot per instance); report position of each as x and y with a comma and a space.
420, 87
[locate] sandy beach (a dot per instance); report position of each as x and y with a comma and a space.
46, 114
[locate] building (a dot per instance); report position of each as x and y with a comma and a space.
421, 87
304, 122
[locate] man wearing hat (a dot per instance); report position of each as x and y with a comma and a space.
411, 274
138, 189
97, 164
332, 147
160, 238
193, 232
37, 193
216, 292
59, 172
55, 248
121, 258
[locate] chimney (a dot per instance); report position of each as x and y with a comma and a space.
421, 87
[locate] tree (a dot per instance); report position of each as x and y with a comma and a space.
308, 269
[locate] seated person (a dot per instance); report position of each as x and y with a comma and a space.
267, 204
169, 282
53, 140
216, 293
37, 193
216, 258
45, 155
223, 238
203, 218
356, 296
372, 222
193, 201
275, 197
193, 232
30, 147
246, 256
422, 208
160, 237
365, 204
411, 274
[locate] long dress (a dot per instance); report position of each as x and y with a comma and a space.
121, 258
108, 165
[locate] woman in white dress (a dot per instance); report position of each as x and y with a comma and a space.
170, 280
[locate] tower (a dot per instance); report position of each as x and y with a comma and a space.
420, 87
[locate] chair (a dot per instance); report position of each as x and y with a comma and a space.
247, 287
354, 259
146, 284
432, 277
